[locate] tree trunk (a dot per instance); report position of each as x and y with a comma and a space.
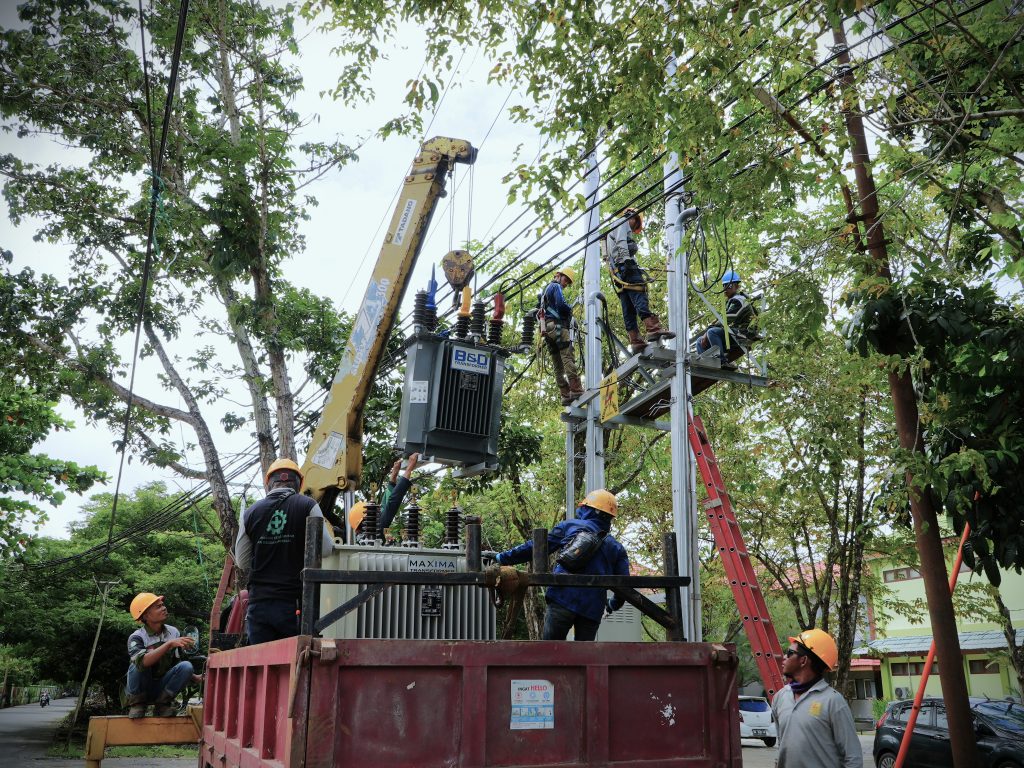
908, 428
1016, 652
253, 377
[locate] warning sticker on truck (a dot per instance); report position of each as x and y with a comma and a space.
533, 705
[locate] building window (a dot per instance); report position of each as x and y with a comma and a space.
983, 666
900, 574
865, 689
911, 668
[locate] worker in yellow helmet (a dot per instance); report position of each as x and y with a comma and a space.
580, 545
555, 330
271, 546
394, 495
816, 726
156, 673
629, 281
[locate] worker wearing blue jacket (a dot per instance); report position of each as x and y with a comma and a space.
557, 321
580, 608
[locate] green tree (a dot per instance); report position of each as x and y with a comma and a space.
220, 311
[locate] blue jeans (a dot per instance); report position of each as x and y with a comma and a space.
715, 337
271, 620
634, 303
143, 681
558, 620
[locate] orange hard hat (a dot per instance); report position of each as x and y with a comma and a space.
279, 465
356, 514
820, 643
141, 602
602, 500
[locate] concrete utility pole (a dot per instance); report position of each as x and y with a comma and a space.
592, 291
684, 516
104, 590
908, 428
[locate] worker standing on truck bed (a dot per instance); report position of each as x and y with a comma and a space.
271, 546
394, 495
155, 675
816, 728
630, 283
583, 545
557, 321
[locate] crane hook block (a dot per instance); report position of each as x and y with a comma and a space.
458, 268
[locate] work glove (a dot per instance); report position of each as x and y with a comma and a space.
489, 554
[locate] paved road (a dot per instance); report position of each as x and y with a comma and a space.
757, 755
26, 733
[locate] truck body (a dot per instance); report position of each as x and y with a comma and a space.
308, 702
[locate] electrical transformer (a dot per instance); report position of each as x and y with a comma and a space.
451, 403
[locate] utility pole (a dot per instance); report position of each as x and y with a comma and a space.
104, 589
592, 292
908, 428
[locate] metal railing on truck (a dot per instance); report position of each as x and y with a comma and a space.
504, 581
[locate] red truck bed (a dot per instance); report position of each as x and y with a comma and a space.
416, 704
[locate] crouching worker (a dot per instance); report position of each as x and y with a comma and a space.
155, 675
579, 608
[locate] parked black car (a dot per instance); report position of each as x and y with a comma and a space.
999, 725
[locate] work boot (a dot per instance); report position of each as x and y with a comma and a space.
137, 706
575, 389
654, 330
563, 391
163, 706
636, 342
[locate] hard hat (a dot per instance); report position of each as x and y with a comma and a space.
282, 464
602, 500
141, 602
629, 213
568, 272
821, 644
732, 276
356, 514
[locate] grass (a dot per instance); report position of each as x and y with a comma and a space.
157, 750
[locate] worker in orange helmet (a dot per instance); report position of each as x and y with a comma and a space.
156, 674
271, 546
816, 728
580, 545
394, 495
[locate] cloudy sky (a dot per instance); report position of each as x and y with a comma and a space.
342, 236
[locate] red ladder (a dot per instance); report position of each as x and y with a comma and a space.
745, 588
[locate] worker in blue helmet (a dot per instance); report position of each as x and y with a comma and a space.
739, 314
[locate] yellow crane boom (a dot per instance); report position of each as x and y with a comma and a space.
335, 458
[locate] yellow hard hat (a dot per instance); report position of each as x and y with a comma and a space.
356, 514
141, 602
602, 500
279, 465
568, 272
820, 643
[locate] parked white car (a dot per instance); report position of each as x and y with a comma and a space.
756, 721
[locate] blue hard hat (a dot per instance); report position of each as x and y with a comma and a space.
732, 276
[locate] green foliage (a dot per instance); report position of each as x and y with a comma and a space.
50, 617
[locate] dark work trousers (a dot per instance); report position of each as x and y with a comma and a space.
271, 620
558, 620
634, 302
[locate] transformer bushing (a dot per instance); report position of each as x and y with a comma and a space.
411, 530
476, 325
461, 326
529, 329
369, 526
424, 316
494, 332
452, 528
